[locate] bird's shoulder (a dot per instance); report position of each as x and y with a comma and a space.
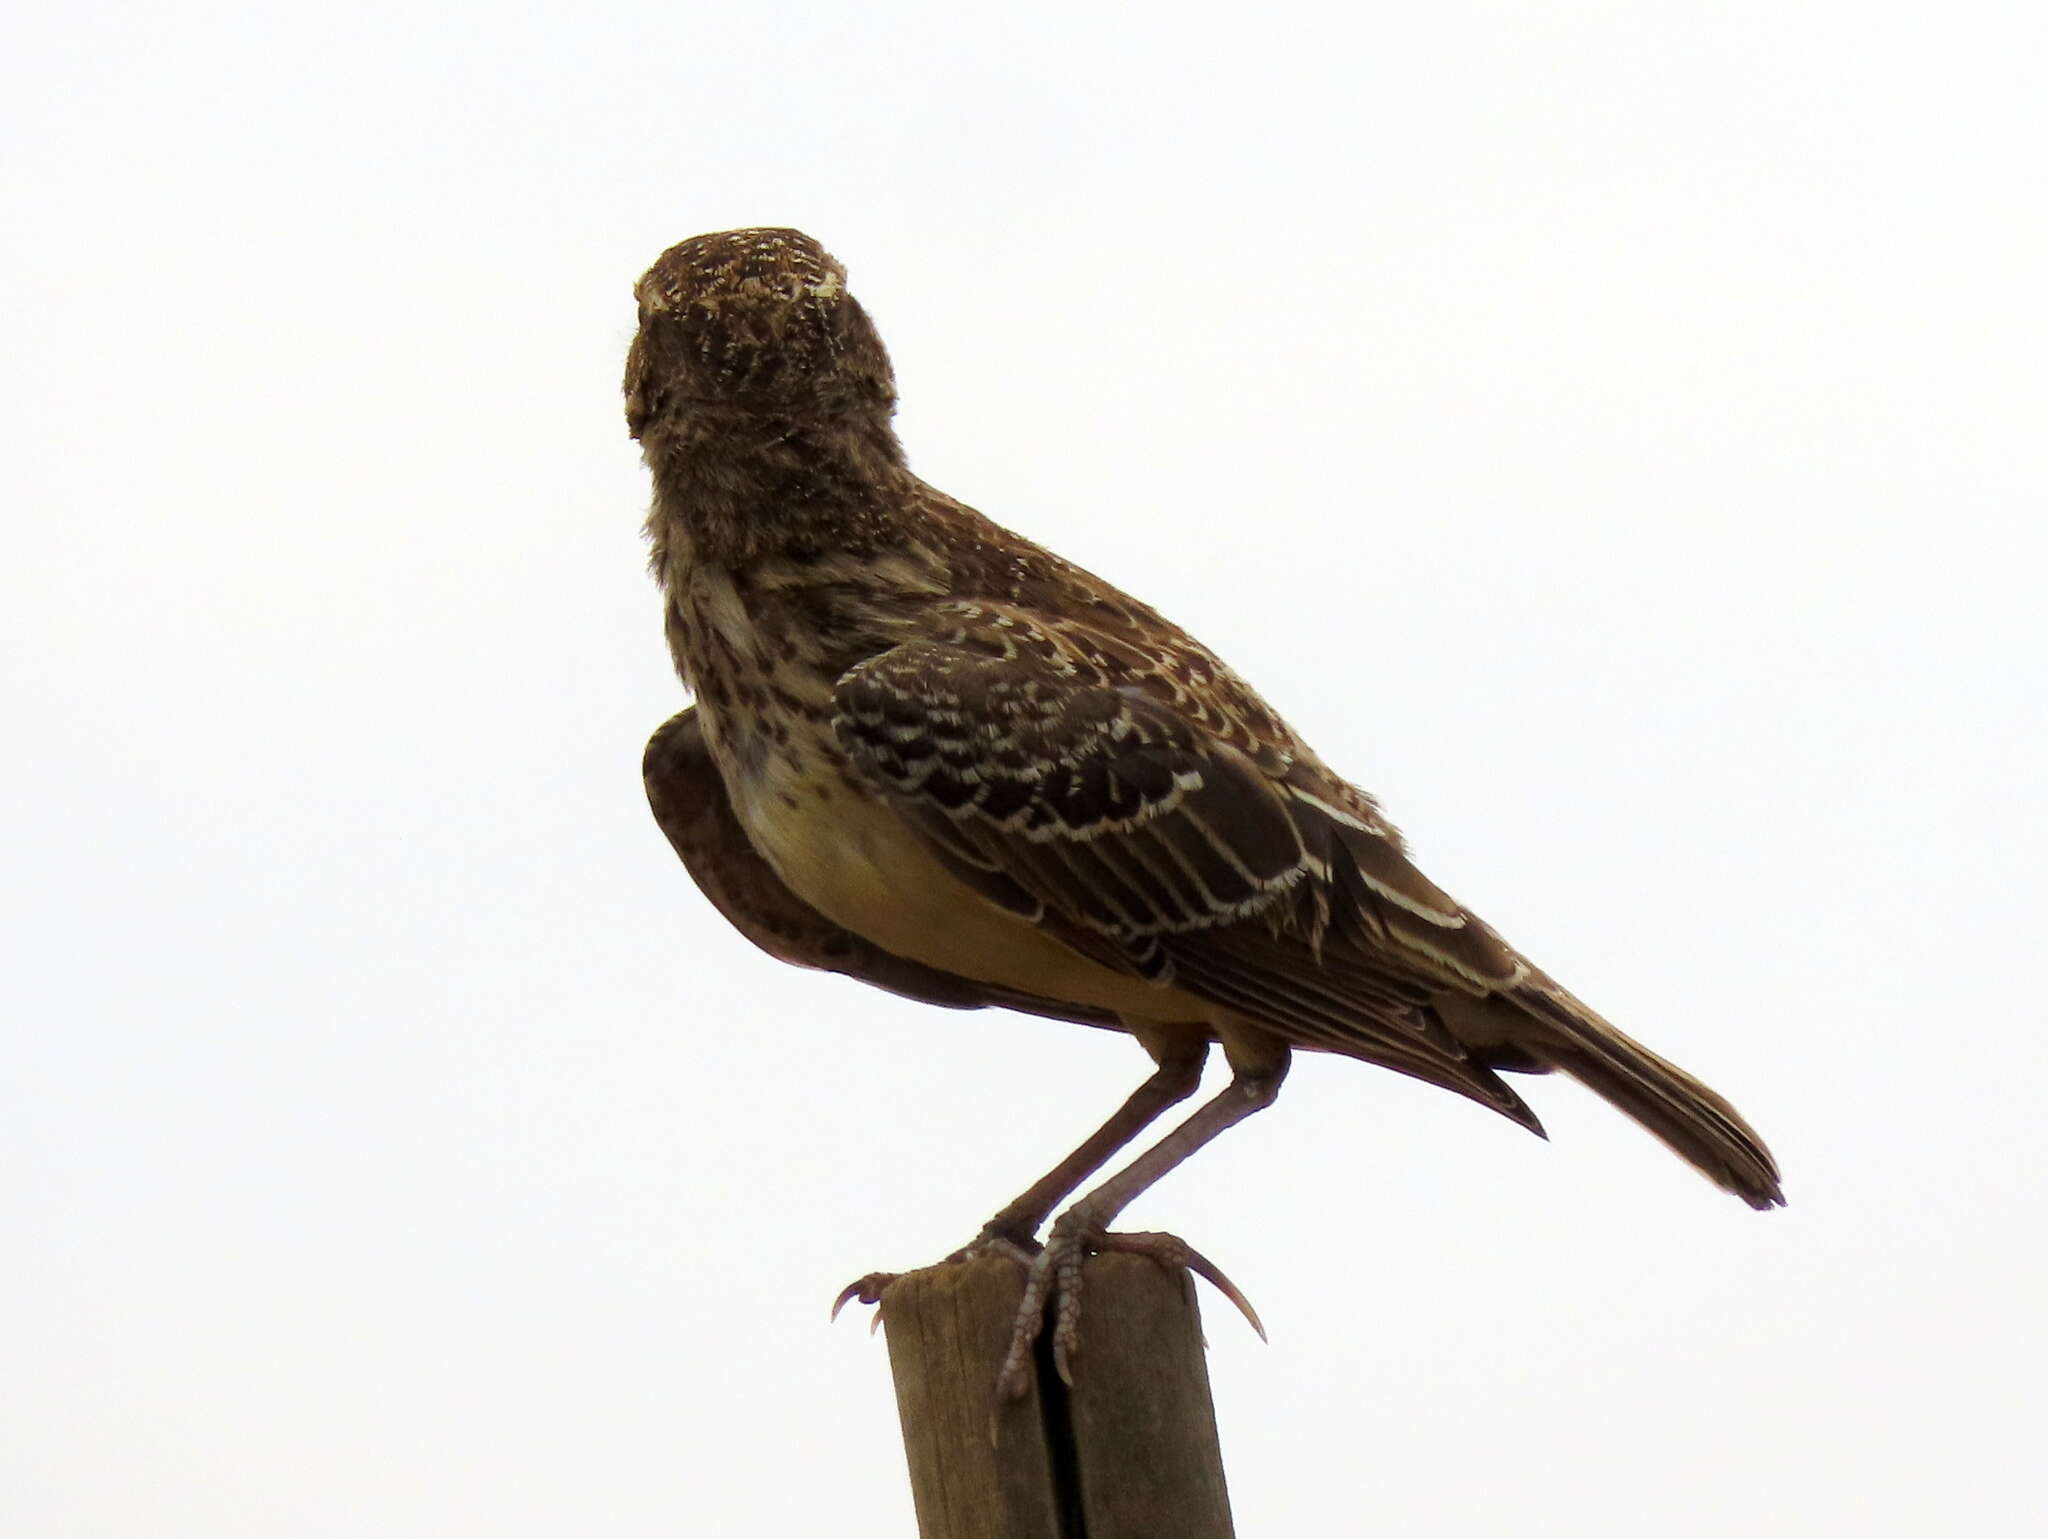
1011, 600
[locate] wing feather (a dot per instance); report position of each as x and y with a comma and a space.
1100, 803
690, 804
1134, 834
1242, 871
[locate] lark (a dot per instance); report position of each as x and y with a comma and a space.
933, 756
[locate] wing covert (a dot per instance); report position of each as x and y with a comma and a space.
1089, 801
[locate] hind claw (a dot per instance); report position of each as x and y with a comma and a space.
1055, 1279
867, 1289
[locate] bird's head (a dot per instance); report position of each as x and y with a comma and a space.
752, 321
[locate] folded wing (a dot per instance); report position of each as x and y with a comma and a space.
1104, 815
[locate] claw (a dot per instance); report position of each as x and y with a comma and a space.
1055, 1279
1013, 1379
1172, 1252
867, 1289
989, 1242
1060, 1362
1066, 1309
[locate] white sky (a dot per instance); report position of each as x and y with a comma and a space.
1612, 433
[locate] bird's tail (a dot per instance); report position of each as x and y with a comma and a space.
1535, 1026
1692, 1120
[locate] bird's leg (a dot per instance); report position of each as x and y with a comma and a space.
1083, 1229
1178, 1076
1014, 1231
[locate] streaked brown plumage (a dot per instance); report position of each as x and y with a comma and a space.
934, 756
691, 807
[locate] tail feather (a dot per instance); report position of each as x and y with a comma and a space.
1690, 1119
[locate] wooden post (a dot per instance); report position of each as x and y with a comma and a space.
1129, 1453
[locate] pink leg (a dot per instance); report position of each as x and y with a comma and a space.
1084, 1228
1014, 1230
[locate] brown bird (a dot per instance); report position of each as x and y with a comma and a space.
933, 756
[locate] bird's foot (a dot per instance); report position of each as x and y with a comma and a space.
992, 1241
1055, 1279
868, 1290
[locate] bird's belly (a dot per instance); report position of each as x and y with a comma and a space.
855, 860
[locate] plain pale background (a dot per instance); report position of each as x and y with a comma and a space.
1612, 433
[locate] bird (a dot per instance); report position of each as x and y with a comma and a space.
935, 757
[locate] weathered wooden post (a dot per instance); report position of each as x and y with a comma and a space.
1130, 1452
